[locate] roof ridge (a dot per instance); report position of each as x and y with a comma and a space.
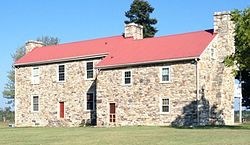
82, 41
178, 34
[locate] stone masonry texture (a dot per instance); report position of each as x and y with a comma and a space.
200, 91
72, 92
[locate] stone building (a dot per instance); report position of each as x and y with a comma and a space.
127, 80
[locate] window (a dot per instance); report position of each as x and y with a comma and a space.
89, 70
164, 105
35, 75
35, 103
212, 53
127, 77
165, 74
90, 101
61, 73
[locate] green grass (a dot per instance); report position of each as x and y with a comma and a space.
227, 135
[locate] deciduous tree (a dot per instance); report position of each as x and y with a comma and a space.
241, 57
9, 89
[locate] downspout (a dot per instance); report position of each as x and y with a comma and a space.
197, 89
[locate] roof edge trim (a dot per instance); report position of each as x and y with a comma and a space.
210, 43
62, 60
146, 62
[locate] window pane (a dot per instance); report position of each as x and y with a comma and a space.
61, 76
90, 71
35, 103
35, 71
61, 72
89, 105
61, 68
165, 71
165, 108
89, 65
90, 74
127, 77
165, 74
90, 101
127, 81
127, 74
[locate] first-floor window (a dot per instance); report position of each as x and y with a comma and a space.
164, 105
90, 101
35, 103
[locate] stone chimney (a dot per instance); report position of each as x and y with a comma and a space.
224, 27
133, 30
31, 44
223, 23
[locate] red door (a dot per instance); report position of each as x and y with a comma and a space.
61, 109
112, 112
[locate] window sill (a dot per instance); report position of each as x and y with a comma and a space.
164, 113
89, 79
165, 82
35, 83
34, 111
126, 85
89, 111
60, 81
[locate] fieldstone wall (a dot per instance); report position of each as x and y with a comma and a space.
72, 92
139, 104
216, 80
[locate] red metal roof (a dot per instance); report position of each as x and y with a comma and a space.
124, 51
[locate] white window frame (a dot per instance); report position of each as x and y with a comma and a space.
32, 103
35, 79
212, 53
160, 105
86, 102
169, 74
86, 76
123, 77
57, 73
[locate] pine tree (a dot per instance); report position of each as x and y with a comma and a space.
139, 13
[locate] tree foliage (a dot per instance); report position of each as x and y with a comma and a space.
242, 40
139, 13
241, 57
9, 89
47, 40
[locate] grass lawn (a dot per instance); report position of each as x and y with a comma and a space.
126, 136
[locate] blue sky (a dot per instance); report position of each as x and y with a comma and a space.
73, 20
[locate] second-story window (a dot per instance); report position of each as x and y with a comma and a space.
35, 75
127, 77
89, 70
61, 73
165, 74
